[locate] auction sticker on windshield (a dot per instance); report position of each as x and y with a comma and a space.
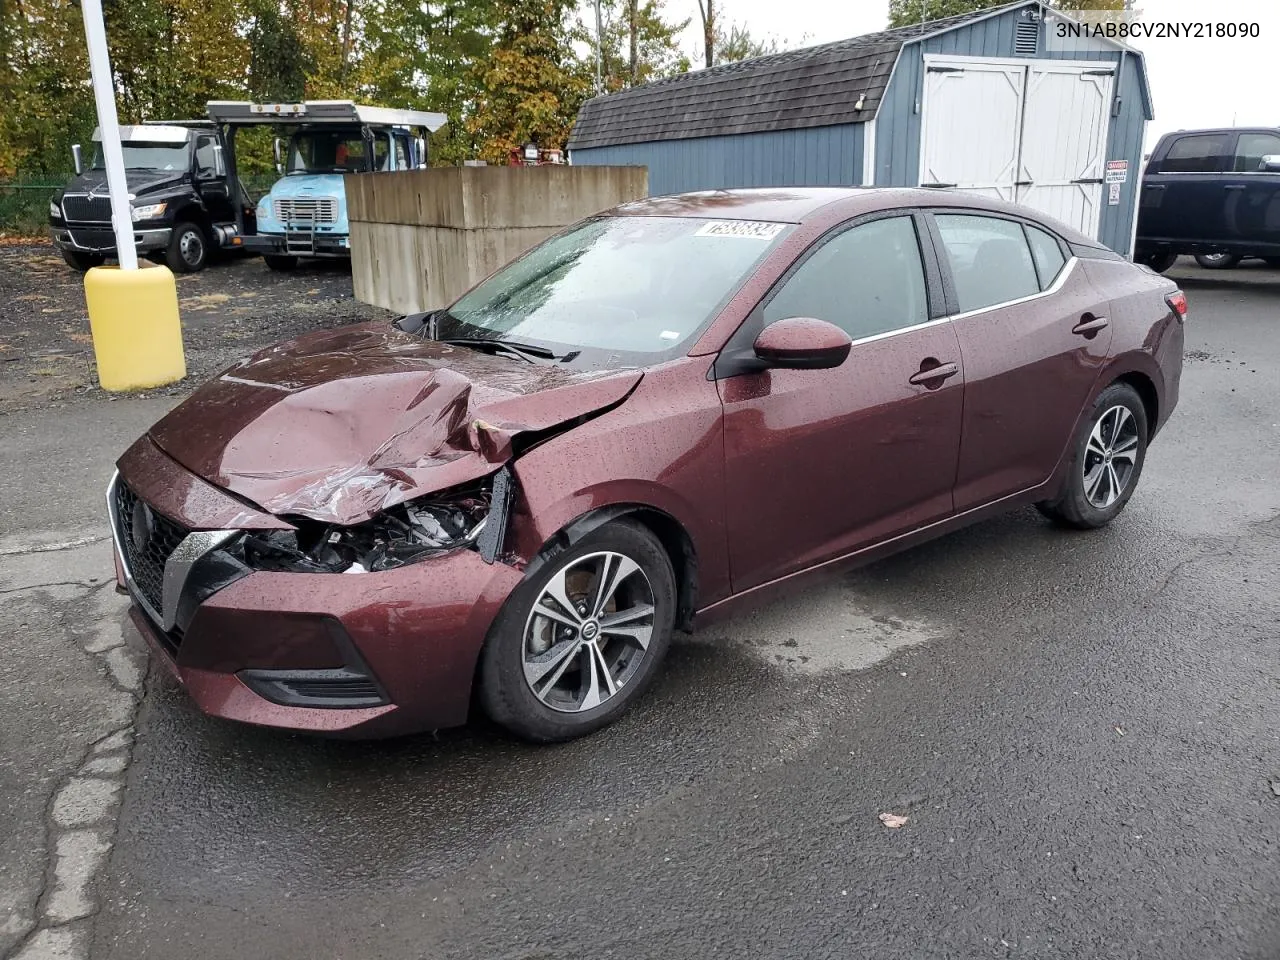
745, 229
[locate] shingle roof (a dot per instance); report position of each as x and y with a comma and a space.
813, 87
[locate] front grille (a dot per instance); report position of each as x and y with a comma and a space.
146, 565
93, 238
79, 207
307, 210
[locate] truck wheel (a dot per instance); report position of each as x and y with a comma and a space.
279, 262
188, 249
1217, 261
83, 261
1160, 262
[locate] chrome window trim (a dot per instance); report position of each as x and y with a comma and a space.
1053, 288
177, 567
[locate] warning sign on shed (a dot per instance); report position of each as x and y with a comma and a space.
1117, 171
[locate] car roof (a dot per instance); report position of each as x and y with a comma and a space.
802, 204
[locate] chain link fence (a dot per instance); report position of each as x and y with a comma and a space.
24, 205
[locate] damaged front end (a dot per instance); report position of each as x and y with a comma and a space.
472, 516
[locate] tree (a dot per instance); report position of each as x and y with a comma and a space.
707, 11
639, 44
905, 12
531, 82
736, 44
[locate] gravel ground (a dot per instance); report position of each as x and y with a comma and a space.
229, 310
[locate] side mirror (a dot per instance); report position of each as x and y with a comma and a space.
77, 159
219, 162
277, 148
802, 343
1270, 163
422, 153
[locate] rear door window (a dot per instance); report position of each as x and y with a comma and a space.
1200, 153
1252, 147
990, 260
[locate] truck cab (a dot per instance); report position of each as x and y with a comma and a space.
1213, 194
181, 198
305, 212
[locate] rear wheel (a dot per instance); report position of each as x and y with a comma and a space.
1217, 261
83, 261
578, 641
1160, 262
1106, 463
279, 262
188, 249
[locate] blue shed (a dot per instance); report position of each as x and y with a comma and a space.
1018, 101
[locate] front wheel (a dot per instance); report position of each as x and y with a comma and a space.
579, 640
188, 250
1110, 450
83, 261
1217, 261
279, 263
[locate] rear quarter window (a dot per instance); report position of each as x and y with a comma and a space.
1047, 254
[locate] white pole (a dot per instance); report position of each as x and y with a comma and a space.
95, 34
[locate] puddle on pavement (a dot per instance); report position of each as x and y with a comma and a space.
824, 628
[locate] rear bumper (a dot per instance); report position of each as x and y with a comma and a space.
99, 239
299, 243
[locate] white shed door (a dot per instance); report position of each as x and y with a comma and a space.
1031, 131
1064, 134
973, 120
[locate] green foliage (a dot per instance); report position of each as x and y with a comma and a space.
905, 12
736, 43
502, 71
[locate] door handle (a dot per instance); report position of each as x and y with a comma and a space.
1154, 186
1089, 325
930, 371
1233, 186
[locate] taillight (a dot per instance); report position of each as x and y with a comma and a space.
1177, 302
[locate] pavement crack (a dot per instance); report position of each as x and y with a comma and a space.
51, 583
52, 547
1178, 567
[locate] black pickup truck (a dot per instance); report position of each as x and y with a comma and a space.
1214, 194
179, 192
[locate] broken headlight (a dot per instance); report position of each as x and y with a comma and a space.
402, 534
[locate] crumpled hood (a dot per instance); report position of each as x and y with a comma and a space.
342, 424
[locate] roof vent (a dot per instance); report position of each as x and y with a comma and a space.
1026, 40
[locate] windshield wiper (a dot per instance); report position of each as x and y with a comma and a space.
525, 351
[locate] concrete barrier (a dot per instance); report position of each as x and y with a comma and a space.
422, 238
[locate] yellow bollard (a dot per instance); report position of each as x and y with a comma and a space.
137, 336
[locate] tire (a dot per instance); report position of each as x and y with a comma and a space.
520, 649
280, 263
1217, 261
83, 262
188, 249
1160, 262
1086, 503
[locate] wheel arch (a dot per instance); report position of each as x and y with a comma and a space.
670, 532
1145, 387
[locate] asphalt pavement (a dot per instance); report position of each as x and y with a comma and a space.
1082, 731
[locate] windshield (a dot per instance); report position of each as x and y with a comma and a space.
147, 156
626, 285
327, 151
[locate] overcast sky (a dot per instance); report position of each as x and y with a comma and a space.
1194, 82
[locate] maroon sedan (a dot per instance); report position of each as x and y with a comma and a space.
660, 414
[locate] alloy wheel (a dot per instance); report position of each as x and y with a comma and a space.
588, 632
1110, 457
